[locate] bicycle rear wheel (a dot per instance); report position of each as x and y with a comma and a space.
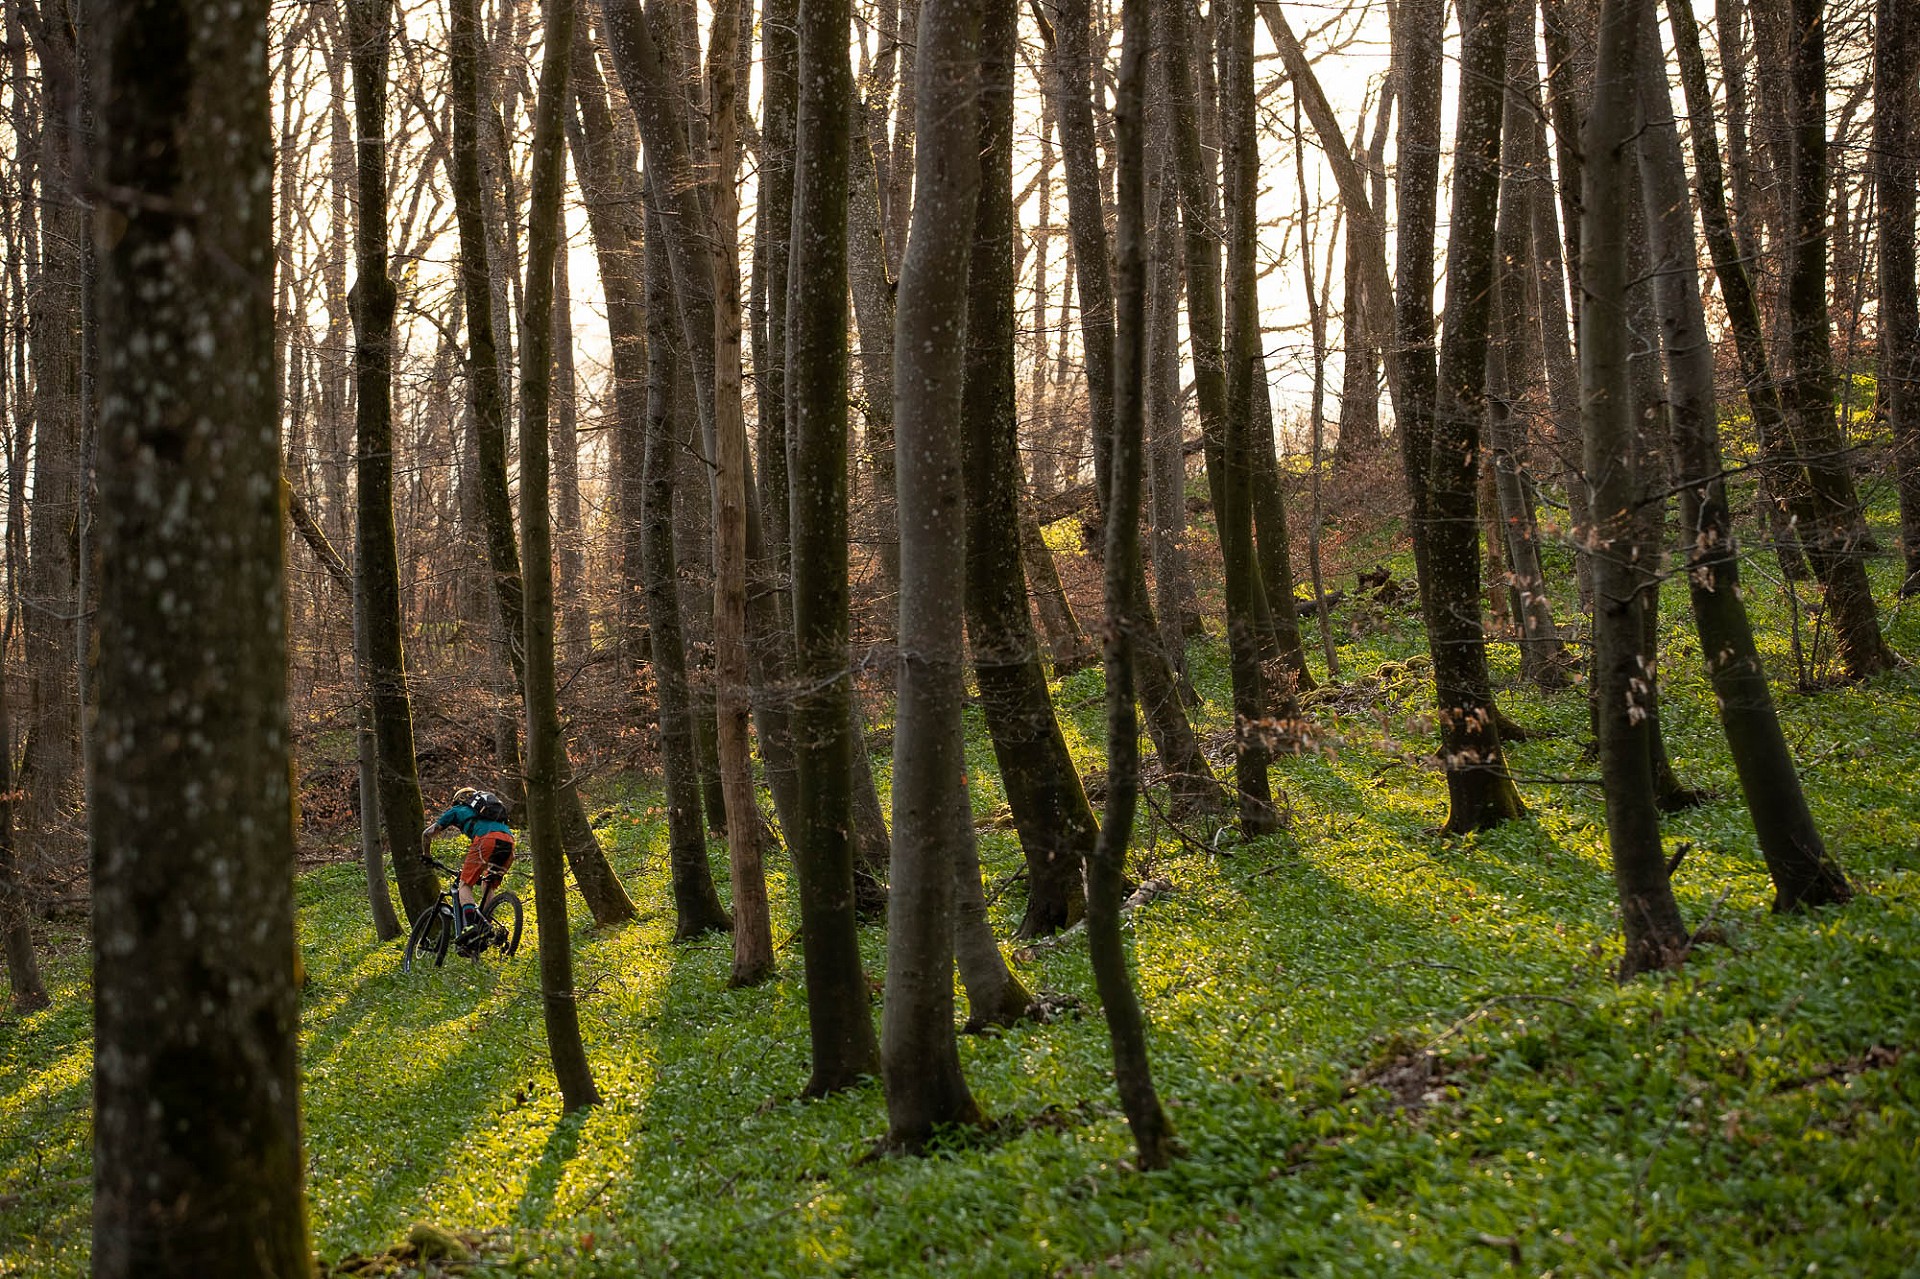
507, 917
432, 934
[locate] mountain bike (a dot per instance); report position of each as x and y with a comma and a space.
439, 924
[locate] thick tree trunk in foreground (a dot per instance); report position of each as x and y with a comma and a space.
546, 766
196, 1129
1796, 856
1050, 808
375, 556
1106, 869
1834, 530
931, 814
1896, 149
1480, 792
1655, 936
845, 1050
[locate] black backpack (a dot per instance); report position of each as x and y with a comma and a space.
488, 807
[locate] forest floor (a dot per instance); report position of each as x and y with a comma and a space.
1387, 1052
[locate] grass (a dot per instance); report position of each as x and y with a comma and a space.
1387, 1052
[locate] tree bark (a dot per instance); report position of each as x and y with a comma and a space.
1542, 655
1655, 936
931, 814
599, 885
376, 558
1896, 149
1050, 809
29, 992
845, 1050
1832, 526
1796, 856
1240, 144
697, 908
1480, 792
546, 768
1416, 59
197, 1164
1106, 870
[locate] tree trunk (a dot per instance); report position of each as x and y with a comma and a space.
546, 769
197, 1163
1068, 648
1655, 936
697, 907
50, 602
1542, 655
1240, 144
1896, 149
1832, 526
844, 1048
1050, 809
752, 925
576, 636
1106, 869
931, 814
873, 315
376, 557
1070, 82
1175, 599
16, 918
599, 885
1481, 794
1796, 856
1416, 58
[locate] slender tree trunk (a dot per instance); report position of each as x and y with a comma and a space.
197, 1164
576, 636
1480, 792
873, 314
1550, 283
1175, 599
697, 907
1106, 870
50, 603
752, 926
931, 815
546, 768
845, 1050
1050, 809
1896, 149
1068, 648
1316, 404
1542, 655
1833, 526
599, 885
1240, 139
16, 918
1655, 936
1803, 872
1070, 82
1416, 57
376, 558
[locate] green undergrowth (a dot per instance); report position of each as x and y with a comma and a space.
1386, 1052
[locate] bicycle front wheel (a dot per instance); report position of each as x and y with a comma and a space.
432, 934
506, 916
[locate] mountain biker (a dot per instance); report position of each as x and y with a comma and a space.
482, 818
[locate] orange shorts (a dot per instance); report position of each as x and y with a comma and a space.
488, 856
